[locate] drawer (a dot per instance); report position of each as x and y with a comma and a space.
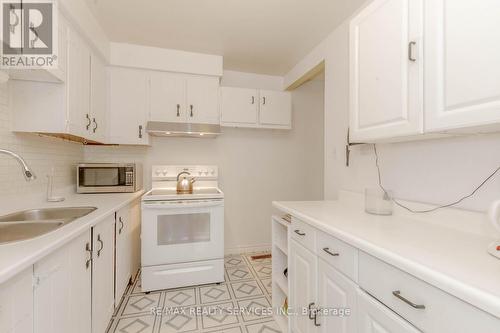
304, 234
428, 308
340, 255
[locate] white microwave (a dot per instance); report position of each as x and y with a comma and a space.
108, 177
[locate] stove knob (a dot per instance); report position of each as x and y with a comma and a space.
212, 172
165, 172
157, 172
206, 173
199, 173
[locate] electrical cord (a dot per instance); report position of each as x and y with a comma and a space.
435, 208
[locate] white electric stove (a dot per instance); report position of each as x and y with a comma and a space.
182, 235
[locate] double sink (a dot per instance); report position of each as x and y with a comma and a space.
36, 222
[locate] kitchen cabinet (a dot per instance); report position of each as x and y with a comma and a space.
462, 72
75, 109
16, 303
103, 298
336, 291
123, 259
374, 317
303, 284
98, 98
78, 87
128, 106
275, 108
241, 107
184, 98
386, 78
62, 284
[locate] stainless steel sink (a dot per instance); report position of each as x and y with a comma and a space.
36, 222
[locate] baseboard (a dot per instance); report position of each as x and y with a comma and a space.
248, 249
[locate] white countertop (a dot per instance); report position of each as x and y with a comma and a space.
15, 257
452, 259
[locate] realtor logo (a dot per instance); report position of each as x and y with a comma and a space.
29, 34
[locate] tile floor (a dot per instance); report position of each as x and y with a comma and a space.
205, 308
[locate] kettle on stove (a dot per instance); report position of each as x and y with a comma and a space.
185, 183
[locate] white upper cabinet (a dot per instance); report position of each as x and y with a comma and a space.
75, 109
98, 98
462, 68
386, 70
184, 98
275, 108
128, 106
202, 99
242, 107
239, 105
168, 97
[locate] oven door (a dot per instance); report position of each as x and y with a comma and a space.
182, 231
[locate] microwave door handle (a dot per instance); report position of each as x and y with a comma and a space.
176, 204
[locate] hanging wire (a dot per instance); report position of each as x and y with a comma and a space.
435, 208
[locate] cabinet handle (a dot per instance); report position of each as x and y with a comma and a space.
89, 121
316, 317
410, 51
191, 108
140, 131
102, 245
178, 110
89, 260
298, 232
264, 100
310, 310
95, 123
333, 254
121, 225
253, 99
397, 294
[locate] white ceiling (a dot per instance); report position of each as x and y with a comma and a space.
259, 36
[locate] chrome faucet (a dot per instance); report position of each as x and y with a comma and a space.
27, 173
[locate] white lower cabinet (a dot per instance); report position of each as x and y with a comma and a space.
62, 284
374, 317
16, 303
103, 298
123, 259
336, 300
303, 284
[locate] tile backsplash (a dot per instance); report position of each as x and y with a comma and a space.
41, 153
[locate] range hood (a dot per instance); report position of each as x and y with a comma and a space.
160, 128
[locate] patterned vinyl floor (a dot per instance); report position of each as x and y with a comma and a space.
205, 308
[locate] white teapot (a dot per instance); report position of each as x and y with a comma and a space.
494, 214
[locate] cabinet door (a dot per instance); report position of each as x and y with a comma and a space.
275, 108
135, 236
336, 291
98, 99
62, 290
462, 71
16, 303
202, 96
168, 97
103, 279
128, 106
123, 252
386, 71
303, 281
78, 87
374, 317
239, 105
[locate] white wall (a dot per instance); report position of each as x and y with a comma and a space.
256, 166
434, 171
41, 154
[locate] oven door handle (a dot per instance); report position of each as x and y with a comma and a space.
186, 204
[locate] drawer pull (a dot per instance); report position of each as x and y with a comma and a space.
397, 293
298, 232
327, 250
